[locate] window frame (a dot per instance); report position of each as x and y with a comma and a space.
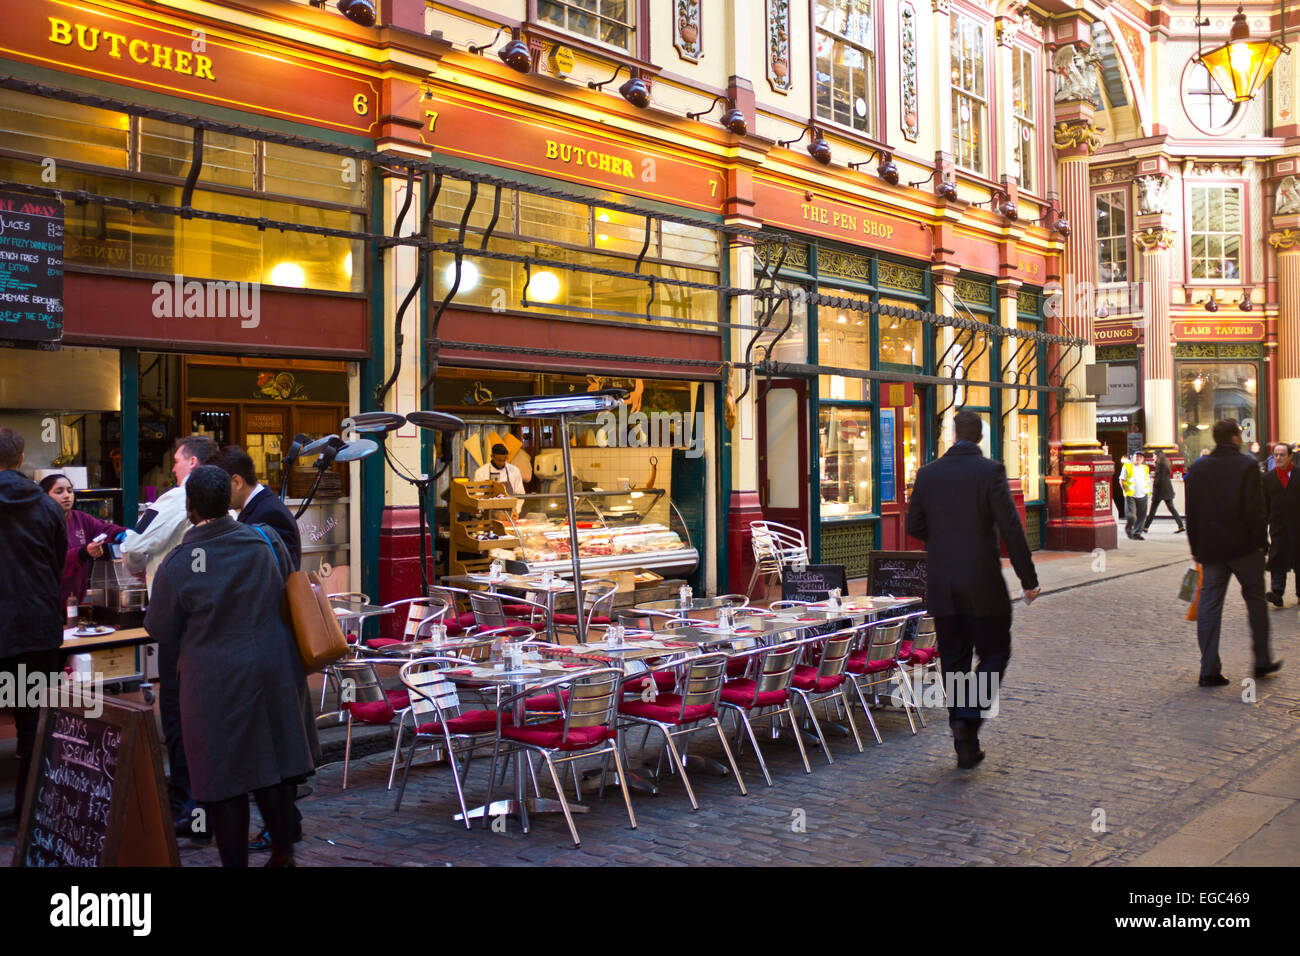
1184, 89
1243, 246
1034, 121
987, 153
878, 110
637, 54
1125, 234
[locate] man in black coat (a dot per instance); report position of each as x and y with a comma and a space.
1228, 532
33, 545
1282, 497
959, 505
256, 503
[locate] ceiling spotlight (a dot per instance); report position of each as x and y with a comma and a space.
1245, 304
818, 148
514, 54
733, 119
359, 11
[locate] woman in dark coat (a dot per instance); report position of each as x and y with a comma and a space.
1162, 489
82, 530
1282, 498
242, 688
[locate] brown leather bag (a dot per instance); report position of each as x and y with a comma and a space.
310, 616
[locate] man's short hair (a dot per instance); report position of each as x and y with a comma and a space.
233, 460
11, 448
1225, 431
1282, 444
967, 426
207, 492
198, 446
500, 450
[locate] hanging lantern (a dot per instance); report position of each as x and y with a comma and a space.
1241, 65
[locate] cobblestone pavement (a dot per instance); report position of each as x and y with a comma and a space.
1100, 714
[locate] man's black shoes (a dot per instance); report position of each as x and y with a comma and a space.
968, 754
1274, 598
1214, 680
1266, 669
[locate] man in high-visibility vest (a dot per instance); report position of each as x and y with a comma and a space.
1136, 480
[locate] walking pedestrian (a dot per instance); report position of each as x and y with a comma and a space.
1117, 489
216, 599
33, 549
1282, 495
1136, 479
1163, 492
1228, 533
158, 531
84, 537
960, 504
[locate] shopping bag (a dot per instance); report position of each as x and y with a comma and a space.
1187, 590
1196, 599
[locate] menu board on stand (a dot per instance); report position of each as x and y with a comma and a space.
31, 271
897, 574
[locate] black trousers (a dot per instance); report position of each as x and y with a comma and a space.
960, 637
169, 710
229, 819
1277, 582
15, 670
1168, 503
1249, 572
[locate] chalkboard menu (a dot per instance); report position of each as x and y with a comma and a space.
31, 270
95, 791
896, 573
813, 583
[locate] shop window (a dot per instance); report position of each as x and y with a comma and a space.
65, 132
902, 341
1024, 163
846, 63
308, 174
1209, 392
793, 344
612, 22
554, 220
969, 99
1028, 371
970, 359
843, 341
167, 148
845, 457
1112, 237
1214, 232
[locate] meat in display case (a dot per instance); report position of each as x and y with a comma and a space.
617, 530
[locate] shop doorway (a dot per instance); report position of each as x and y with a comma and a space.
783, 466
899, 462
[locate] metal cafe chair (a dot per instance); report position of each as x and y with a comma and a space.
766, 695
699, 681
586, 728
458, 616
490, 612
644, 620
597, 602
767, 564
421, 614
875, 662
439, 714
827, 680
776, 547
363, 698
788, 605
923, 653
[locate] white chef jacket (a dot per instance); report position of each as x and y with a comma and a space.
509, 476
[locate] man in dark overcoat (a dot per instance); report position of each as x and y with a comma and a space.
242, 688
1282, 495
959, 505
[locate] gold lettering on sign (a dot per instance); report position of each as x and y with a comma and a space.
157, 55
569, 154
846, 221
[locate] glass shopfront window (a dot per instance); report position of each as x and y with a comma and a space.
843, 341
1209, 392
844, 442
902, 341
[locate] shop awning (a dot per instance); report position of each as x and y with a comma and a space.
1117, 414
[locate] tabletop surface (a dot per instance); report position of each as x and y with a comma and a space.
126, 635
357, 609
521, 582
697, 604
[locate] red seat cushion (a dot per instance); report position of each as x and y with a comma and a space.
741, 693
547, 702
551, 735
464, 619
453, 627
517, 609
664, 681
736, 668
924, 656
379, 711
805, 678
904, 650
666, 708
858, 664
470, 722
375, 643
573, 619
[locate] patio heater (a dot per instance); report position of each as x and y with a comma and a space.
328, 450
564, 407
381, 423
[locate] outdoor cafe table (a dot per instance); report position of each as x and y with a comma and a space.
681, 610
856, 609
411, 650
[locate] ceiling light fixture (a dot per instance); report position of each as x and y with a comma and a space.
1241, 65
635, 90
818, 148
1211, 305
1245, 304
514, 54
361, 12
887, 168
732, 119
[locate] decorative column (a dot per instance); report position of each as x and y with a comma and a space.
1079, 498
1287, 243
1008, 289
944, 275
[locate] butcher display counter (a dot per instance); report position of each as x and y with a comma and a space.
617, 530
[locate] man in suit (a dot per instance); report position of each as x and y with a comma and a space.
1228, 532
959, 505
256, 503
1282, 496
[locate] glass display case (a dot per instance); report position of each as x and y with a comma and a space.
617, 530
